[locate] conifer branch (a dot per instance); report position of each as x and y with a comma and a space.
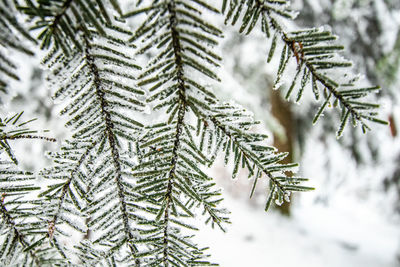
247, 156
53, 222
61, 20
109, 134
6, 217
297, 49
97, 108
20, 229
176, 45
12, 129
232, 126
181, 50
12, 34
317, 58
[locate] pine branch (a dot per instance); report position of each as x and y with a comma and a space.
61, 20
192, 182
19, 226
11, 128
176, 45
232, 130
87, 250
12, 35
356, 111
110, 135
56, 206
14, 232
100, 85
67, 185
168, 155
317, 59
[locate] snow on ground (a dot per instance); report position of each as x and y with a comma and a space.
316, 236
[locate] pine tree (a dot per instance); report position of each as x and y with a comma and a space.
132, 183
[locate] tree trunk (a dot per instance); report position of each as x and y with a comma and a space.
281, 111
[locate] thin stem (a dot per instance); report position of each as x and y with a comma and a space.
181, 115
109, 134
13, 137
58, 17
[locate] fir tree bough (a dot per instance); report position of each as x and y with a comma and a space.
131, 184
11, 35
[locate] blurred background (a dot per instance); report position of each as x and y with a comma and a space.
353, 217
